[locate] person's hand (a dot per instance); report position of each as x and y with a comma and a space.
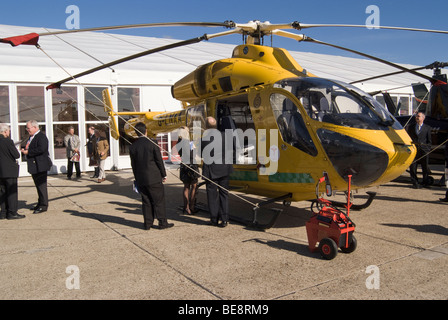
163, 179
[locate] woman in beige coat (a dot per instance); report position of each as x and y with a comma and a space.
101, 152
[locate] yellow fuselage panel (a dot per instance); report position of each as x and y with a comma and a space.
250, 65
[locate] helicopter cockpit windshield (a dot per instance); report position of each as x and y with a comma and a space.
339, 103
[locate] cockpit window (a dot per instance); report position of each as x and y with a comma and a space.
339, 103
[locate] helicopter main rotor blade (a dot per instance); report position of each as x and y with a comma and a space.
228, 24
141, 54
418, 74
300, 26
33, 38
386, 75
134, 56
301, 37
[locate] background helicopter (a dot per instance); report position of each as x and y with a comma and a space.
433, 103
320, 125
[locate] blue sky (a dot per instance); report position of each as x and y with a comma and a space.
397, 46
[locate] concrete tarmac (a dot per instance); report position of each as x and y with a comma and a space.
90, 244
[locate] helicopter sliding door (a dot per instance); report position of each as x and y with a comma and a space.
291, 125
234, 113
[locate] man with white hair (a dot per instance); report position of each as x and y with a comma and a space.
39, 162
72, 145
420, 134
9, 172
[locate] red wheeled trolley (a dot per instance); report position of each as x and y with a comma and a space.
330, 227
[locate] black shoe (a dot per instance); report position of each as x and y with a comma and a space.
39, 210
214, 223
95, 176
416, 186
223, 224
34, 208
166, 225
14, 216
2, 216
147, 227
444, 199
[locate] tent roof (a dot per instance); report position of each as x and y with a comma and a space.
78, 52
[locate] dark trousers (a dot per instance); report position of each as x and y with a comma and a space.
218, 199
425, 168
40, 181
8, 195
153, 203
70, 169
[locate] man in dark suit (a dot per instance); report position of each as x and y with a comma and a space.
39, 163
91, 151
217, 173
420, 134
149, 173
9, 172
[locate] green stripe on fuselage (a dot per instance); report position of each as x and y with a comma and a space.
288, 177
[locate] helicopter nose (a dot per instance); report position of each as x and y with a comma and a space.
350, 156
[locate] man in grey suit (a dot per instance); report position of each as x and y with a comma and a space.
149, 173
72, 145
420, 134
9, 172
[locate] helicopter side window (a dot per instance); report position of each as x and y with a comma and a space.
291, 125
196, 115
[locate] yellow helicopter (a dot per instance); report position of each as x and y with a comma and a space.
303, 125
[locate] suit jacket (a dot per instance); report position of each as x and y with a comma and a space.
38, 158
9, 167
91, 145
71, 143
101, 146
215, 170
423, 138
146, 161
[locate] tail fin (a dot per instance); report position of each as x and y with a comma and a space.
109, 109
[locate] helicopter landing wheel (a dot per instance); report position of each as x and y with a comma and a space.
351, 247
328, 248
286, 203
